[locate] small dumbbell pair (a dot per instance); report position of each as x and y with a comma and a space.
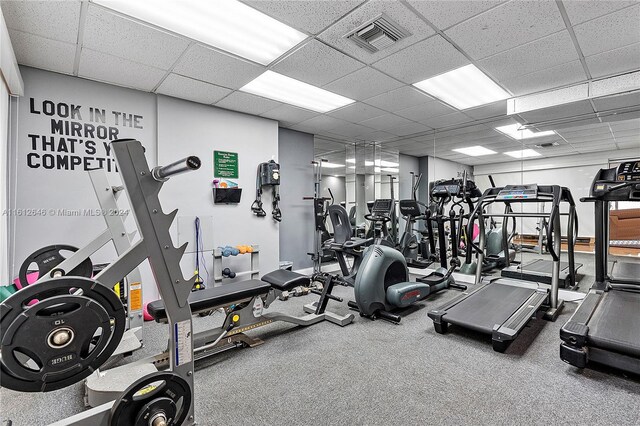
229, 251
226, 272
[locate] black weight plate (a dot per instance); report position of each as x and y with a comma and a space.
47, 258
139, 402
79, 304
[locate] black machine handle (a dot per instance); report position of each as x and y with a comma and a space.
553, 216
162, 173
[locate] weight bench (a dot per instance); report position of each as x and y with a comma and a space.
243, 303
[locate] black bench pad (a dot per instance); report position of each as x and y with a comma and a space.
214, 297
284, 280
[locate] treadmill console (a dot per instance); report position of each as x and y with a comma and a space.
454, 188
629, 170
518, 192
617, 183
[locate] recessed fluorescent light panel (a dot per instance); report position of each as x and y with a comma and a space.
351, 160
463, 88
512, 130
525, 153
390, 170
474, 151
294, 92
331, 165
226, 24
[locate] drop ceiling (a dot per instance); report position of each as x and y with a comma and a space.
525, 46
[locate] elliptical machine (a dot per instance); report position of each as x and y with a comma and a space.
381, 215
382, 283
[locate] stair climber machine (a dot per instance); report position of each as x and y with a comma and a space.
321, 204
415, 252
605, 329
382, 284
503, 307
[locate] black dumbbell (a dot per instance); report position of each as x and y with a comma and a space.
226, 272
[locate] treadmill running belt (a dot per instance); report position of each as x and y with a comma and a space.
615, 324
490, 306
625, 272
544, 266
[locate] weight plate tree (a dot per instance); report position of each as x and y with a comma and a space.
57, 332
47, 258
158, 399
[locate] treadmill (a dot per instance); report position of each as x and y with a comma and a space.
605, 329
503, 307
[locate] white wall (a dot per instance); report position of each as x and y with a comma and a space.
575, 172
10, 84
445, 169
186, 128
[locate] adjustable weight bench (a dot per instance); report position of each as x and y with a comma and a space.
243, 303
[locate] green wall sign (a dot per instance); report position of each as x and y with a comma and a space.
225, 164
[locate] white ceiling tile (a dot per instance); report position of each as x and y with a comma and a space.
547, 52
316, 63
319, 123
610, 31
495, 109
119, 36
192, 90
629, 145
627, 133
424, 111
561, 111
444, 14
311, 16
446, 120
409, 129
217, 68
334, 35
626, 125
350, 130
122, 72
507, 26
422, 60
402, 98
580, 11
561, 75
385, 122
39, 52
376, 136
357, 112
57, 20
362, 84
614, 61
247, 103
289, 114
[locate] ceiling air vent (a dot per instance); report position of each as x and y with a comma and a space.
547, 145
378, 34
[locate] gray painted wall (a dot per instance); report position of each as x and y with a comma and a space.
296, 228
337, 185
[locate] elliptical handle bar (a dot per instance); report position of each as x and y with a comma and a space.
188, 164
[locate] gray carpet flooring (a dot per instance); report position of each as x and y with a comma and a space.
374, 373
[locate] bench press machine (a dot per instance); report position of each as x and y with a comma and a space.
242, 303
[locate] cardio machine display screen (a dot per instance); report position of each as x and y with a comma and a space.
382, 206
446, 189
629, 170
